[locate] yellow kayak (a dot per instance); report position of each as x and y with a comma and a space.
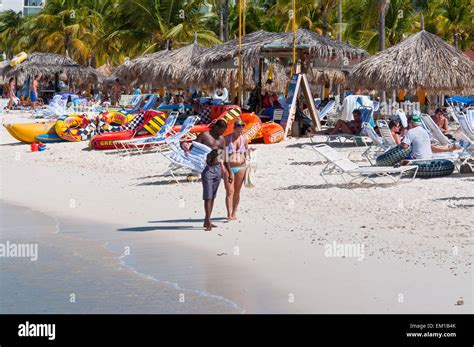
27, 132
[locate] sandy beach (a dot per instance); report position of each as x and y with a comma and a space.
136, 235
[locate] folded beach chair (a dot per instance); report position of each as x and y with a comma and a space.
138, 145
194, 161
470, 117
338, 165
367, 113
277, 115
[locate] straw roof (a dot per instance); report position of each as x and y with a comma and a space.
226, 52
421, 61
106, 70
166, 67
50, 64
313, 46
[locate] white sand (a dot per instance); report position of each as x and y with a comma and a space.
417, 236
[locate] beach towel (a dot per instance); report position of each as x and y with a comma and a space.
251, 168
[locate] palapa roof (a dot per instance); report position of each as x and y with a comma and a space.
167, 67
226, 52
50, 64
421, 61
312, 45
106, 70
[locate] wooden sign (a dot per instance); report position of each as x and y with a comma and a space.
290, 107
299, 83
313, 111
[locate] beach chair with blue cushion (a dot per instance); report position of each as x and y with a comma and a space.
139, 145
337, 164
367, 116
194, 160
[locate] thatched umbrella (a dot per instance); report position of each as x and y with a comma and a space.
311, 46
422, 61
50, 64
163, 68
223, 56
106, 70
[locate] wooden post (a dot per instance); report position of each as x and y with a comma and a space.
259, 86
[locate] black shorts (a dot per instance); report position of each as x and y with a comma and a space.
211, 178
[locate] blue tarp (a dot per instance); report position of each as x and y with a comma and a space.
461, 99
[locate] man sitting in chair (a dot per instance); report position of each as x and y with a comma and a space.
419, 140
353, 127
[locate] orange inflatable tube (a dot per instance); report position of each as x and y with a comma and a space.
253, 126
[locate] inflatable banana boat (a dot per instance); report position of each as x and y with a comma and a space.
27, 132
75, 127
18, 59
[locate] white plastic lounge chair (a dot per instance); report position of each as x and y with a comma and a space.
277, 115
470, 117
378, 145
435, 132
327, 109
140, 144
338, 165
386, 133
172, 142
194, 161
465, 127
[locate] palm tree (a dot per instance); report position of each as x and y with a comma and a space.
382, 11
11, 31
66, 27
457, 19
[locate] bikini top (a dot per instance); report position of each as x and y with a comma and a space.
230, 146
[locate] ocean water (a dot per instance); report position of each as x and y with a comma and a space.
82, 267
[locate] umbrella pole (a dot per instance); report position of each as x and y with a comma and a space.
239, 71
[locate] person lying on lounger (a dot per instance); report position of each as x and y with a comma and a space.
352, 127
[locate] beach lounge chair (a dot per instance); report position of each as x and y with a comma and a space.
138, 145
465, 127
194, 161
173, 141
387, 136
434, 131
367, 113
339, 165
277, 115
327, 109
378, 145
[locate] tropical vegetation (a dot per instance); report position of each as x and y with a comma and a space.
97, 31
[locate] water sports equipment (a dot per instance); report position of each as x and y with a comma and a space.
221, 94
143, 125
434, 168
272, 133
75, 127
392, 156
18, 59
27, 132
252, 128
113, 121
49, 138
154, 120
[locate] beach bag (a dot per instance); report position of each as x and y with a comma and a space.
392, 156
434, 168
251, 168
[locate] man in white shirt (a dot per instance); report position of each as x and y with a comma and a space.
419, 140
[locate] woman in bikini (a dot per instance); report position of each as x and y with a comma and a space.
236, 148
